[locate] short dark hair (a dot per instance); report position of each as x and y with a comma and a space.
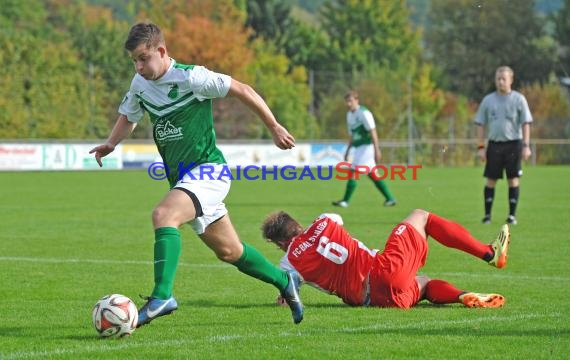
280, 226
351, 94
144, 33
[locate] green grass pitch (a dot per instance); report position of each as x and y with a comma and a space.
67, 238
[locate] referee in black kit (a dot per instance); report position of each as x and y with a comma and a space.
505, 117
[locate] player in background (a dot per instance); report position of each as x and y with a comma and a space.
178, 99
505, 115
364, 139
329, 258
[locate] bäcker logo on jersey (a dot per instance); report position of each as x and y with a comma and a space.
167, 132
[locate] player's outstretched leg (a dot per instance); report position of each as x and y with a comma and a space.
442, 292
475, 300
383, 188
350, 188
453, 235
500, 246
291, 296
155, 308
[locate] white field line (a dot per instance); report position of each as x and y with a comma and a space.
109, 346
430, 324
497, 275
500, 275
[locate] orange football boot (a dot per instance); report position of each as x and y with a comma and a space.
500, 246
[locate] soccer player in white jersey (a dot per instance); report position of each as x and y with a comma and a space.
505, 115
330, 259
364, 139
178, 100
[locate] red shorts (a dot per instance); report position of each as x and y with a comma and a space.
393, 275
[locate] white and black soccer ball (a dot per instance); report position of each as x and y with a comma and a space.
115, 316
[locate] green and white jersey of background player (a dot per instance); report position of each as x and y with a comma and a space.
180, 109
359, 123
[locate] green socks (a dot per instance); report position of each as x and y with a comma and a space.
381, 185
256, 265
350, 187
167, 247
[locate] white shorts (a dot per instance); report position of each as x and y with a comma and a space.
210, 193
363, 155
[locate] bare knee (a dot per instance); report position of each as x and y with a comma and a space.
163, 216
418, 219
419, 215
422, 281
228, 255
222, 238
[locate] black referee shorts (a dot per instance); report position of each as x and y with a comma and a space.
501, 156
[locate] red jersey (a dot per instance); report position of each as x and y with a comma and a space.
329, 258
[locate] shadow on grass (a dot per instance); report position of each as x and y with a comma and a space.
16, 331
323, 305
242, 305
95, 337
42, 332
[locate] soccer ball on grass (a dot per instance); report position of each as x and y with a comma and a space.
115, 316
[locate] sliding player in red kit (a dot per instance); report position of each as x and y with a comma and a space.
329, 258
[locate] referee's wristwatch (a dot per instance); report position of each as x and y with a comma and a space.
525, 144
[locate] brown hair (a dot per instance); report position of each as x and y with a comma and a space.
280, 226
351, 94
144, 33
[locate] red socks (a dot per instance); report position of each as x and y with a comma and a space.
442, 292
453, 235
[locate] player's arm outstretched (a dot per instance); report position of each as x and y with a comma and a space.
123, 128
247, 95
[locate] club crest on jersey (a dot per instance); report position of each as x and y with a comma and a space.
173, 92
167, 132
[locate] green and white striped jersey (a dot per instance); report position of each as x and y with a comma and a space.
359, 123
180, 108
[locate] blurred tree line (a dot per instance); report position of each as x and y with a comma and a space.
65, 70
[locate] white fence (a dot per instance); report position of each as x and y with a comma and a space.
74, 155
